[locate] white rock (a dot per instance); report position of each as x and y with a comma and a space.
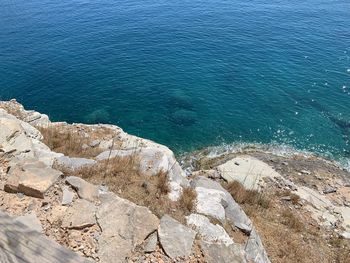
208, 231
175, 238
248, 170
80, 215
209, 202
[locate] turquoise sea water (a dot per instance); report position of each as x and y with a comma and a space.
187, 73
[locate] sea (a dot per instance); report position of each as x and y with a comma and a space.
188, 74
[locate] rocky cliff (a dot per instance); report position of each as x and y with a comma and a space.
108, 196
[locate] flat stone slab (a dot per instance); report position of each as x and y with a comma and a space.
32, 179
80, 215
175, 238
247, 170
19, 244
124, 225
84, 189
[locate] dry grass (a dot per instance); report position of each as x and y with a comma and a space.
244, 196
122, 177
289, 219
162, 183
63, 140
13, 110
187, 200
289, 234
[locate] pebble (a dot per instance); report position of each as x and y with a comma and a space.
329, 190
305, 172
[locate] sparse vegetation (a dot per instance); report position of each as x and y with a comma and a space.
289, 219
66, 141
162, 183
188, 199
250, 197
122, 177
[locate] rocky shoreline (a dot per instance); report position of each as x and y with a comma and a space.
113, 197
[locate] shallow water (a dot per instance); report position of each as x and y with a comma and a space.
187, 74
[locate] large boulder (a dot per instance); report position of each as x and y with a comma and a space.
21, 140
124, 225
247, 170
254, 249
208, 231
233, 213
175, 238
209, 202
213, 200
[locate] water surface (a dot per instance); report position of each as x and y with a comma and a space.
187, 73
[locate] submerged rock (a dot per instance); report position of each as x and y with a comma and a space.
184, 117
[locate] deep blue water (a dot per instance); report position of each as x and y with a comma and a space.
185, 73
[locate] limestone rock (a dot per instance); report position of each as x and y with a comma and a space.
13, 138
21, 140
208, 231
346, 235
319, 206
209, 202
216, 252
85, 190
31, 221
67, 196
249, 171
153, 160
80, 215
254, 249
213, 200
151, 243
175, 238
33, 178
124, 225
74, 163
21, 244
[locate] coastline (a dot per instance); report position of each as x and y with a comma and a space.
240, 203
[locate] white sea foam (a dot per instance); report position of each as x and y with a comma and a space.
275, 148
